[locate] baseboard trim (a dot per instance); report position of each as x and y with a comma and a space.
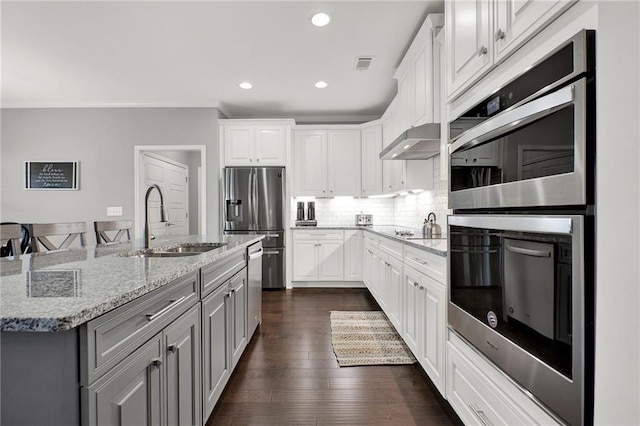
327, 284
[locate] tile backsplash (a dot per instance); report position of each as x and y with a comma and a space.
409, 210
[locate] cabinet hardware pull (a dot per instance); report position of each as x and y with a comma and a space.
480, 415
415, 283
171, 305
528, 252
156, 362
482, 51
499, 34
270, 252
271, 236
419, 261
257, 160
233, 291
172, 348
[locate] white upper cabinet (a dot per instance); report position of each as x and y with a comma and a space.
310, 163
480, 33
343, 166
251, 143
327, 163
371, 162
468, 40
418, 78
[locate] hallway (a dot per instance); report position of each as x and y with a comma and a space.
289, 374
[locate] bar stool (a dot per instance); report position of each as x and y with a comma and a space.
11, 234
40, 231
122, 228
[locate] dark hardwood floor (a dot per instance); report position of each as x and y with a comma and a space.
289, 374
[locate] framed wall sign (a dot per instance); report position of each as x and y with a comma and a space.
51, 175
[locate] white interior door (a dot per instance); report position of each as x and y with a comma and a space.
173, 179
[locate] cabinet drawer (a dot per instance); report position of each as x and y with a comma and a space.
392, 248
325, 234
429, 264
213, 276
471, 397
113, 336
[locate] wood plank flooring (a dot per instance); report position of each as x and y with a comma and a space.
289, 375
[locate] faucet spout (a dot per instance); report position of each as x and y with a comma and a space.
164, 216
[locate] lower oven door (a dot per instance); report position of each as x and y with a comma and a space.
517, 293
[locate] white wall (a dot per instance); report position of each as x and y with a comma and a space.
617, 370
102, 139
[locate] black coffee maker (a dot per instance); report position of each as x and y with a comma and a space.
311, 210
300, 214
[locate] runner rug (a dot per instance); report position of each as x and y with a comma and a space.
367, 338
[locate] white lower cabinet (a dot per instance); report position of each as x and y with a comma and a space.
425, 322
370, 262
318, 255
353, 243
481, 394
390, 284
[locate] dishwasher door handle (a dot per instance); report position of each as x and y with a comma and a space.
256, 254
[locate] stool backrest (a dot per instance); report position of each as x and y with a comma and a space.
12, 234
70, 231
121, 229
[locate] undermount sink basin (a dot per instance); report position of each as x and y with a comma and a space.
179, 250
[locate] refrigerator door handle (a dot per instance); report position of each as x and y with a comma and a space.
254, 195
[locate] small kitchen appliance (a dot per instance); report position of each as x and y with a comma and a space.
364, 219
311, 210
300, 214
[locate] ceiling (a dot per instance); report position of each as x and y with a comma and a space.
194, 54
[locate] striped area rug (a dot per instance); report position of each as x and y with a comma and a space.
367, 338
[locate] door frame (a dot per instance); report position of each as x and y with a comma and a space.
138, 151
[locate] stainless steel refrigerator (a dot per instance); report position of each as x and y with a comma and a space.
253, 203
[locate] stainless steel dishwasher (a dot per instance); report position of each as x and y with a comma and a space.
254, 253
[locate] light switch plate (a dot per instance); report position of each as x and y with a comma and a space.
114, 211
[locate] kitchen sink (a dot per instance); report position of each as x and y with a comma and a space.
179, 250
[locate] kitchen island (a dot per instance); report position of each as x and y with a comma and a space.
99, 334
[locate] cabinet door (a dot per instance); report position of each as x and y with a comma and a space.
353, 255
238, 306
215, 352
370, 264
371, 162
412, 309
394, 175
238, 145
310, 165
394, 292
405, 102
184, 386
486, 155
517, 20
343, 163
432, 339
330, 260
270, 145
131, 393
305, 260
423, 87
381, 282
469, 42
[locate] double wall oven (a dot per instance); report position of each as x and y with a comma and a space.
521, 263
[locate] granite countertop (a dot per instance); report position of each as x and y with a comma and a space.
436, 246
60, 290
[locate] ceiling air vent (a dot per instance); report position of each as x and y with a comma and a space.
363, 63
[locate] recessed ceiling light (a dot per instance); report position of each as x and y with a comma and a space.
321, 84
320, 19
245, 85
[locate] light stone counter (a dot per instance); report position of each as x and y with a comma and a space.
61, 290
432, 245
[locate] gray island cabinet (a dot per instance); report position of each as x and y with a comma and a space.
159, 358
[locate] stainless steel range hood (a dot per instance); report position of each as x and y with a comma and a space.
417, 143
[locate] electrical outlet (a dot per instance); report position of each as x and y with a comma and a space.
114, 211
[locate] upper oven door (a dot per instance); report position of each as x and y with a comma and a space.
529, 156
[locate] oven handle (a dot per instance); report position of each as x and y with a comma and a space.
516, 118
528, 252
562, 225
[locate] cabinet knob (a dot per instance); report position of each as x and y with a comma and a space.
323, 191
466, 160
172, 348
156, 362
402, 182
364, 190
482, 51
499, 34
250, 160
475, 159
415, 284
257, 160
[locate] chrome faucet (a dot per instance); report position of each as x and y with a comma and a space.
163, 214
